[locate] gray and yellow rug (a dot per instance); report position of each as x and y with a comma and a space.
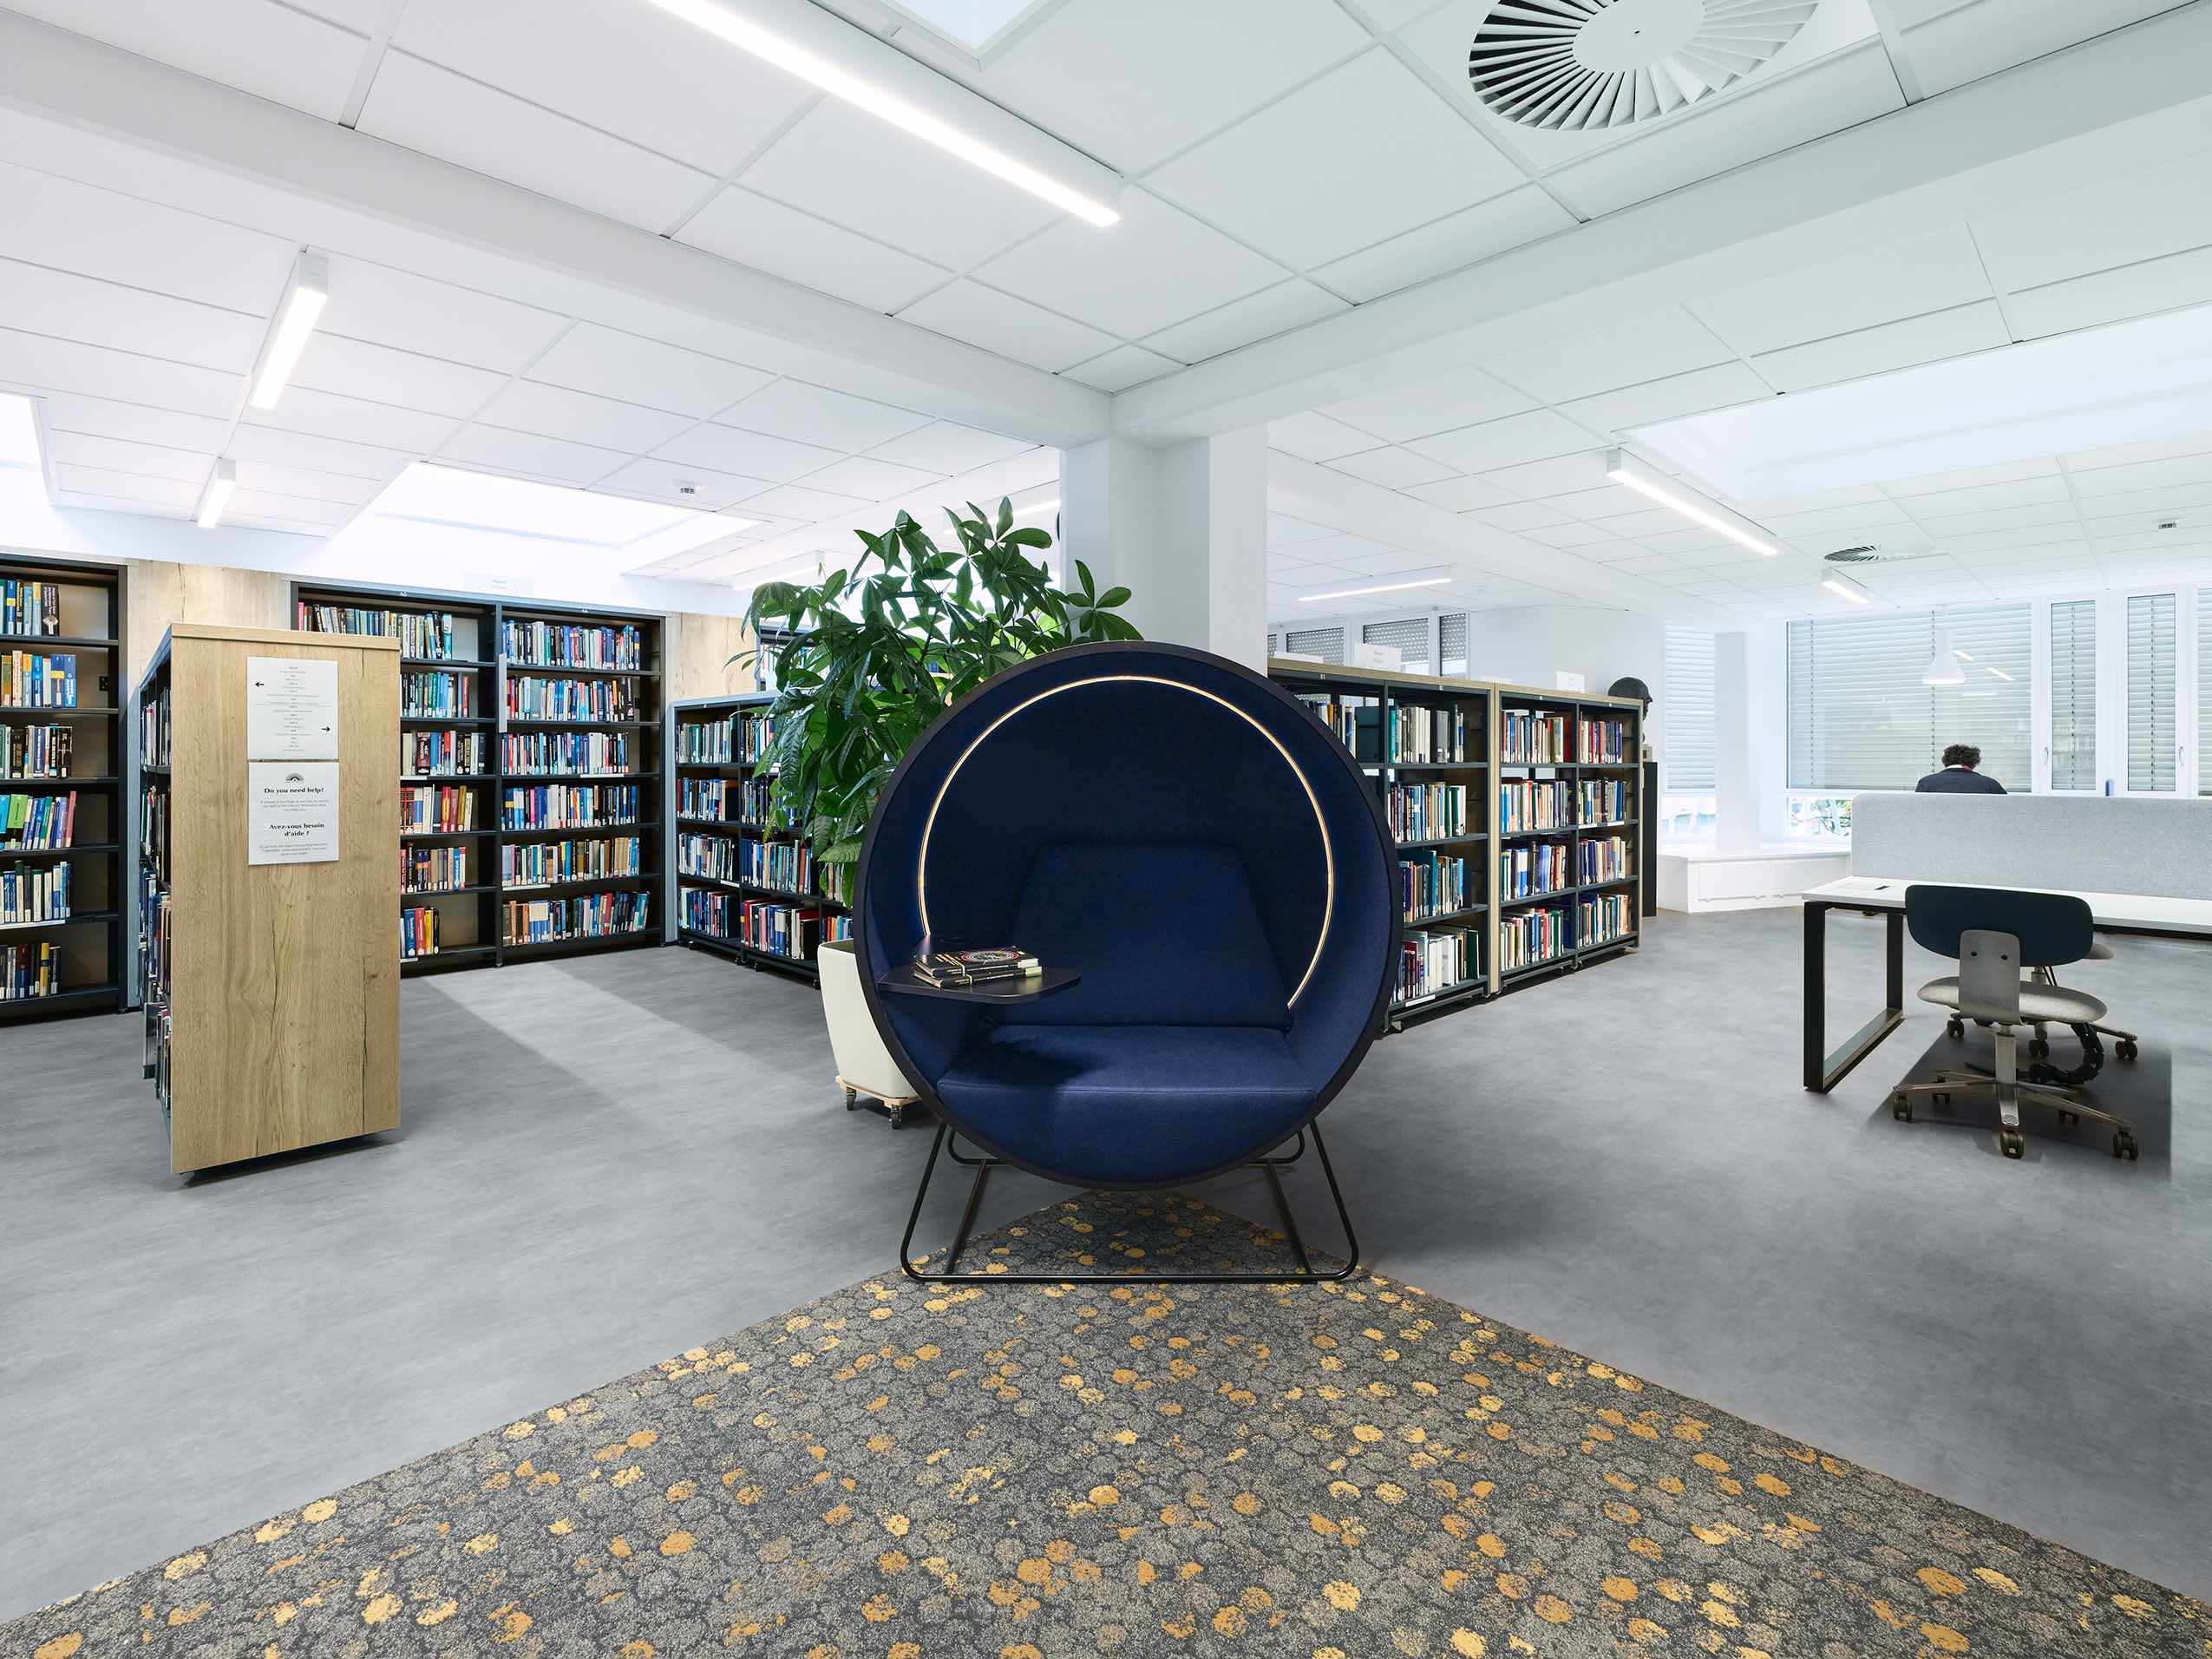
899, 1472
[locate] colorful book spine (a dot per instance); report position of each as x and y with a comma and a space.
556, 863
421, 633
1540, 867
31, 680
430, 694
594, 916
34, 893
29, 609
1431, 884
1603, 858
1432, 962
37, 822
1428, 812
1602, 801
29, 969
435, 808
1602, 918
433, 870
558, 754
551, 806
715, 858
35, 751
1526, 806
786, 866
532, 696
1527, 938
787, 930
418, 932
554, 645
1530, 738
443, 754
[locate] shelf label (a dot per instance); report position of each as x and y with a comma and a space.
291, 709
291, 812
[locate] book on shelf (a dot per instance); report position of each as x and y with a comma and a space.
442, 754
29, 608
568, 806
433, 870
436, 694
1358, 721
712, 858
420, 634
1429, 963
1531, 737
31, 680
435, 808
787, 865
555, 754
983, 966
34, 893
153, 729
1604, 918
1526, 805
1428, 812
535, 697
591, 916
29, 969
1419, 737
1602, 801
35, 751
834, 881
560, 645
37, 822
1529, 938
1537, 867
1603, 858
418, 932
793, 931
554, 863
703, 797
757, 803
1432, 884
739, 739
1602, 743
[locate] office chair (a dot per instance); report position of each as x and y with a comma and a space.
2039, 1048
1994, 934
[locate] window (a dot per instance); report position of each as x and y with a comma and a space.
1411, 639
1687, 688
1861, 717
1327, 643
2203, 687
2073, 695
2153, 759
1452, 645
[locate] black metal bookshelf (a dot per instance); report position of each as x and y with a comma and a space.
1577, 899
90, 945
472, 918
735, 827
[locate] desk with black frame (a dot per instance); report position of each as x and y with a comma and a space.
2143, 915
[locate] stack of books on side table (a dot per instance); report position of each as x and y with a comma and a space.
949, 969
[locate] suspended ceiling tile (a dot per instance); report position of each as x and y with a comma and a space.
1393, 467
69, 307
810, 414
2122, 219
270, 50
317, 455
633, 369
1981, 498
1440, 404
1120, 279
355, 420
1134, 80
1314, 436
1607, 501
751, 229
292, 509
1511, 220
1369, 139
1122, 367
845, 166
333, 362
397, 308
874, 481
947, 447
632, 71
1622, 352
1256, 317
1520, 516
1013, 328
1461, 495
1975, 41
580, 417
279, 480
2170, 284
665, 480
1979, 327
2008, 518
1864, 516
1970, 477
441, 114
1283, 531
749, 454
127, 486
36, 361
1568, 535
1718, 387
117, 455
137, 422
796, 501
1932, 272
1558, 475
2124, 455
527, 452
1538, 435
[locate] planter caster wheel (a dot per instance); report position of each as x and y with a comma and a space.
2123, 1146
2038, 1049
851, 1100
1901, 1109
1954, 1029
2125, 1048
2012, 1143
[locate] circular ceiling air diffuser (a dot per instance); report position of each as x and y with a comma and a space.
1583, 65
1883, 552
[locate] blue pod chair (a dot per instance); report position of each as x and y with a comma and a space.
1188, 838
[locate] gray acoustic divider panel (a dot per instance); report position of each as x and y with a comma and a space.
2077, 843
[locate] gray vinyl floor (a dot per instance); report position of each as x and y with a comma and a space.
605, 1160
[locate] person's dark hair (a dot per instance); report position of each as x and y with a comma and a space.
1962, 754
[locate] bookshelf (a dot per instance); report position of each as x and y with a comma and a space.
270, 991
64, 889
739, 885
531, 772
1508, 878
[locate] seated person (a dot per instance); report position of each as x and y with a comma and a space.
1959, 776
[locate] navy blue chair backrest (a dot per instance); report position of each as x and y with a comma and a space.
2053, 929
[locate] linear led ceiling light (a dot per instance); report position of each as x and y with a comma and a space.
1434, 578
217, 496
1843, 587
877, 78
304, 297
1624, 468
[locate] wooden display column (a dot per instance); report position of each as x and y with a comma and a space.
283, 986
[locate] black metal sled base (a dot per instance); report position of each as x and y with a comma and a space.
1305, 1272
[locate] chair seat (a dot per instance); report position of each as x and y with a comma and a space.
2052, 1003
1133, 1103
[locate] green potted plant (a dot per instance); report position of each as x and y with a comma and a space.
865, 660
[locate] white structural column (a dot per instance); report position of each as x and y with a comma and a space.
1184, 527
1735, 773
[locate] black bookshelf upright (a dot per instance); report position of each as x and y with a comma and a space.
64, 769
530, 735
741, 885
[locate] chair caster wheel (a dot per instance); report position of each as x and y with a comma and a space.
898, 1116
1954, 1029
1901, 1109
1940, 1102
2012, 1143
2125, 1048
2037, 1049
2123, 1146
851, 1100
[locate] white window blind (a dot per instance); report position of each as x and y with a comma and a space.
1686, 691
1861, 717
2152, 688
2203, 687
1410, 637
1452, 645
1327, 643
2073, 694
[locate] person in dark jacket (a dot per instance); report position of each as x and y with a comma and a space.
1959, 776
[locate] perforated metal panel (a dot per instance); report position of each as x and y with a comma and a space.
1327, 643
1410, 637
1452, 645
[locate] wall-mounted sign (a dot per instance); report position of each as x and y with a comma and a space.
1568, 682
291, 708
291, 811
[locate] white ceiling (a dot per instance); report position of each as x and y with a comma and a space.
1304, 557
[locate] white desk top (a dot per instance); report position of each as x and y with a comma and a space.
2107, 909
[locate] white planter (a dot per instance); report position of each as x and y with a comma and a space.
865, 1067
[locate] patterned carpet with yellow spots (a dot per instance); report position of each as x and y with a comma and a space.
908, 1472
